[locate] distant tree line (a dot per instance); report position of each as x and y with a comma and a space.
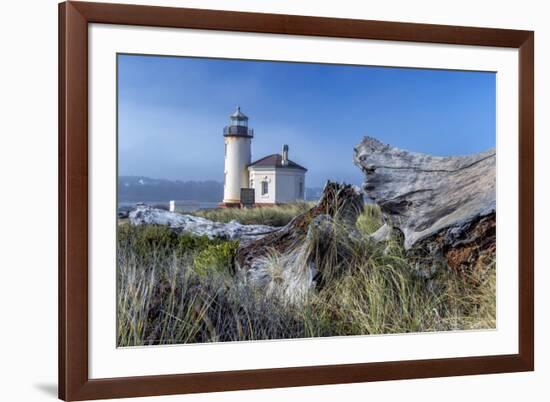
136, 188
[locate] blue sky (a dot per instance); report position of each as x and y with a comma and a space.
172, 111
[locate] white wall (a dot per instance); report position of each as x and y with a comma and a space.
287, 185
283, 184
258, 176
237, 158
28, 162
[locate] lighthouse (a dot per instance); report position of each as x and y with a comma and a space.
237, 143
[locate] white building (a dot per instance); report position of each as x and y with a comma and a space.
274, 178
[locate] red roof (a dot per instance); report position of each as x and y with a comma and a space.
276, 161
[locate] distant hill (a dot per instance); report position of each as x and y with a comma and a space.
139, 188
146, 189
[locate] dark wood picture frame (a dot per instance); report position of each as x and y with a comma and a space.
74, 382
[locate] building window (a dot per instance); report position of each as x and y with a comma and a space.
301, 190
225, 151
265, 187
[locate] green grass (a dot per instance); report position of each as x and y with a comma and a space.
183, 289
278, 215
370, 220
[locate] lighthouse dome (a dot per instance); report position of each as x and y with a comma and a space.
238, 115
238, 126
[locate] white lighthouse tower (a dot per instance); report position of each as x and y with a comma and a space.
238, 139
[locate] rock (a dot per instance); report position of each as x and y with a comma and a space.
146, 215
442, 205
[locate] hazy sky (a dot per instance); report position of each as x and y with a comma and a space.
172, 111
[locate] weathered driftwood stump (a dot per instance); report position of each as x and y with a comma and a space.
443, 206
292, 259
339, 202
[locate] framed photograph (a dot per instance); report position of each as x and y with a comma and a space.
261, 200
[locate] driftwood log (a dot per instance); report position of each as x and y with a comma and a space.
198, 226
443, 206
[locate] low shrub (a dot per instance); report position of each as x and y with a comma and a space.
189, 243
146, 240
216, 258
